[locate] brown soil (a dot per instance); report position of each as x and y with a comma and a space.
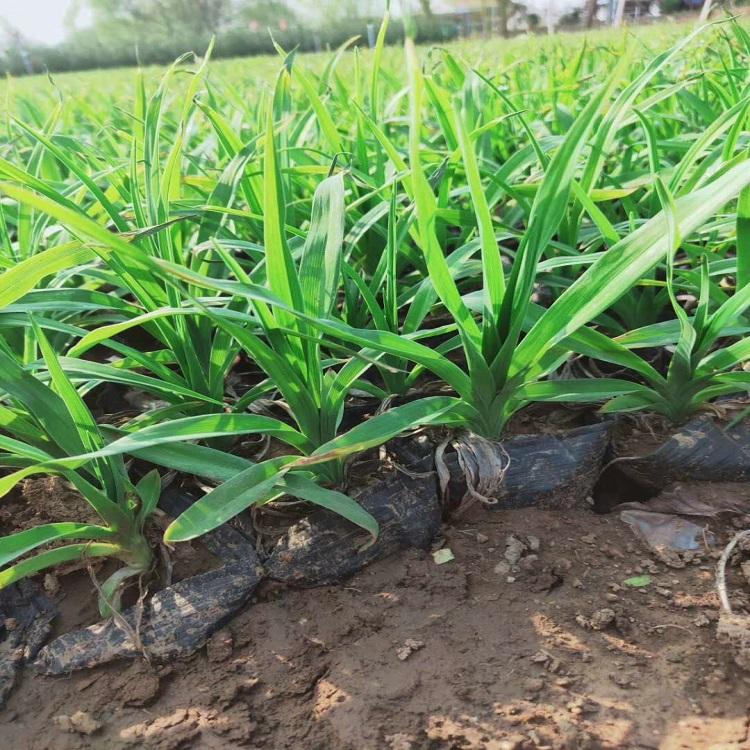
549, 419
411, 655
51, 499
641, 434
45, 500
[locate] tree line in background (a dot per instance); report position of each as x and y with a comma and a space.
127, 32
194, 17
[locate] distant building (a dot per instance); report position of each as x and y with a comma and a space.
522, 14
634, 9
461, 6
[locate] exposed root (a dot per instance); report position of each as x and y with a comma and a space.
408, 472
168, 565
134, 633
580, 366
618, 460
444, 475
732, 629
139, 608
721, 568
384, 405
484, 464
662, 626
262, 447
267, 534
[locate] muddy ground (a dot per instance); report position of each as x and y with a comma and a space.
556, 652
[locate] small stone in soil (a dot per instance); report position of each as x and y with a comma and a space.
219, 646
513, 742
621, 681
79, 723
514, 548
599, 620
409, 647
399, 741
534, 685
51, 584
583, 706
534, 543
442, 556
502, 568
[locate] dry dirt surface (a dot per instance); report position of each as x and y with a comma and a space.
528, 638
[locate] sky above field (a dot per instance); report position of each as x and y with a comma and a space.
40, 20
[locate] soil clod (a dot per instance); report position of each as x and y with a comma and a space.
79, 723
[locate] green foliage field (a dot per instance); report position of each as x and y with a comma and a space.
454, 233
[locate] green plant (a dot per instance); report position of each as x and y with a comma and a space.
256, 250
505, 368
189, 367
701, 366
313, 394
42, 423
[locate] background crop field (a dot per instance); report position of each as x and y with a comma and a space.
115, 85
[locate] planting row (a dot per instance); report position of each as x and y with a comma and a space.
258, 285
